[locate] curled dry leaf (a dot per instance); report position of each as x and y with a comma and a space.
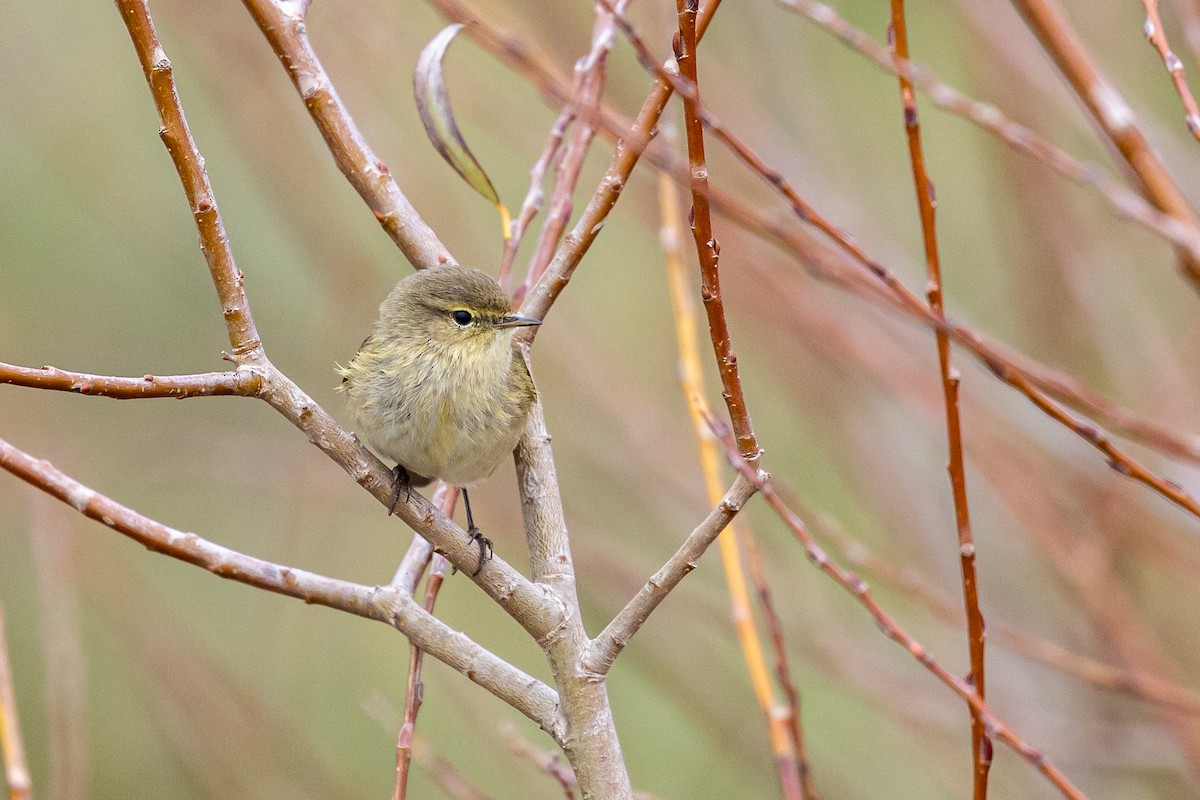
433, 104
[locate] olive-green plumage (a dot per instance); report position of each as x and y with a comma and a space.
439, 386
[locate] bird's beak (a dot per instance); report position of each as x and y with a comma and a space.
517, 321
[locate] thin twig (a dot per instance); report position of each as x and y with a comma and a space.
589, 85
243, 382
859, 590
783, 672
413, 564
1142, 685
1111, 113
1123, 202
1158, 40
227, 278
539, 300
708, 249
605, 648
1037, 383
381, 603
12, 749
283, 26
784, 746
534, 195
981, 747
445, 497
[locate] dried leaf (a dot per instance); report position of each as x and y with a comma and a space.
433, 104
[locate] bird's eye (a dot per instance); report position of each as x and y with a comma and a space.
462, 318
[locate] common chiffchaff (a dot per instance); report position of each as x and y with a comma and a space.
439, 386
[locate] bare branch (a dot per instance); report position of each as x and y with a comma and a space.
981, 747
445, 496
589, 85
1112, 114
538, 302
858, 589
1157, 38
381, 603
605, 648
178, 138
708, 249
242, 383
283, 25
1122, 202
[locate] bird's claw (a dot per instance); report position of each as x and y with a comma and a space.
402, 481
485, 550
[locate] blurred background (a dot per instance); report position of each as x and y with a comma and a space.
138, 676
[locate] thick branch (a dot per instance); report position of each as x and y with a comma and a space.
605, 648
590, 741
381, 603
526, 602
282, 23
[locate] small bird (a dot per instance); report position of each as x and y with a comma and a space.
440, 386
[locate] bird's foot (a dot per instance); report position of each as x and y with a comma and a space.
485, 549
403, 481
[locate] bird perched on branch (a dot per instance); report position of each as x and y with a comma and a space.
440, 386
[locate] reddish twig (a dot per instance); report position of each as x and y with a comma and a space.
981, 747
783, 672
176, 135
1120, 462
539, 300
1123, 202
1158, 40
1036, 382
1134, 683
708, 249
242, 383
782, 728
12, 750
858, 589
445, 498
283, 26
534, 196
1111, 113
589, 84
